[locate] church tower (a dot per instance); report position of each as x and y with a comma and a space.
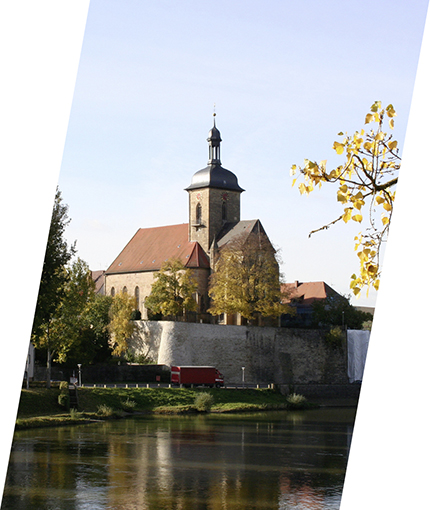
214, 197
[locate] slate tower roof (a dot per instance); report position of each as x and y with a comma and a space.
214, 175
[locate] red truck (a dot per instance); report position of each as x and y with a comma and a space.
199, 376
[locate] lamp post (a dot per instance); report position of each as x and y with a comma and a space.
79, 374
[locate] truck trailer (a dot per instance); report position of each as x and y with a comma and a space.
198, 376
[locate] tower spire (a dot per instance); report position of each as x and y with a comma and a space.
214, 140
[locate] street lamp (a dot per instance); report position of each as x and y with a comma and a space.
79, 374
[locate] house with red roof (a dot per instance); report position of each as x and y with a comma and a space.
214, 221
301, 296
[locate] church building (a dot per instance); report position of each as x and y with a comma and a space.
214, 221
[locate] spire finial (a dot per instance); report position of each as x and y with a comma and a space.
214, 113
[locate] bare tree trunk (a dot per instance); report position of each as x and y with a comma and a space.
48, 369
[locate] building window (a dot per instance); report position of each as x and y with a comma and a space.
199, 214
124, 290
136, 297
112, 291
224, 211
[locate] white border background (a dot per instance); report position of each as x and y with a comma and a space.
40, 46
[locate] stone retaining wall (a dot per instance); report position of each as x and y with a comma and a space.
270, 355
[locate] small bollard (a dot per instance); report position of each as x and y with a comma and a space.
148, 386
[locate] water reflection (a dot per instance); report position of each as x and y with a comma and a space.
283, 461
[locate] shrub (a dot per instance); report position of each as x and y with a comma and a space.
105, 411
74, 414
296, 400
64, 400
334, 337
64, 386
203, 402
136, 315
128, 405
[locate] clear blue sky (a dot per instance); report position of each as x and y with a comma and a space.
285, 76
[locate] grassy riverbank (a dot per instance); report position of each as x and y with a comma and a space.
39, 406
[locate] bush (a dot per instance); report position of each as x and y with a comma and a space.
203, 402
64, 400
64, 387
334, 337
136, 315
128, 405
105, 411
296, 401
74, 414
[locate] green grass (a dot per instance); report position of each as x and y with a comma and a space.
39, 406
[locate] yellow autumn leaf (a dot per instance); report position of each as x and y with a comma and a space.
347, 216
357, 217
376, 106
385, 220
392, 145
338, 147
391, 123
294, 182
387, 206
368, 119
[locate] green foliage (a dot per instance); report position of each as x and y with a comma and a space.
334, 337
296, 401
64, 387
338, 311
172, 292
105, 411
141, 359
64, 400
128, 405
136, 315
57, 256
246, 279
203, 402
74, 414
121, 327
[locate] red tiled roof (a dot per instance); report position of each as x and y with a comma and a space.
98, 278
307, 291
149, 248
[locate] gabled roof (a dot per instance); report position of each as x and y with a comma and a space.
98, 278
149, 248
307, 292
232, 231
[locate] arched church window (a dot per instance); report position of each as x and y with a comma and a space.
112, 291
224, 211
124, 290
199, 214
137, 297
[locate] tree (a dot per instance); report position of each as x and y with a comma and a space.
121, 327
246, 279
173, 290
54, 277
64, 329
365, 180
338, 311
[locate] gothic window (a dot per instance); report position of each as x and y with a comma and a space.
112, 291
136, 297
199, 214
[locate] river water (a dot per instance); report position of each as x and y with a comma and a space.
277, 460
